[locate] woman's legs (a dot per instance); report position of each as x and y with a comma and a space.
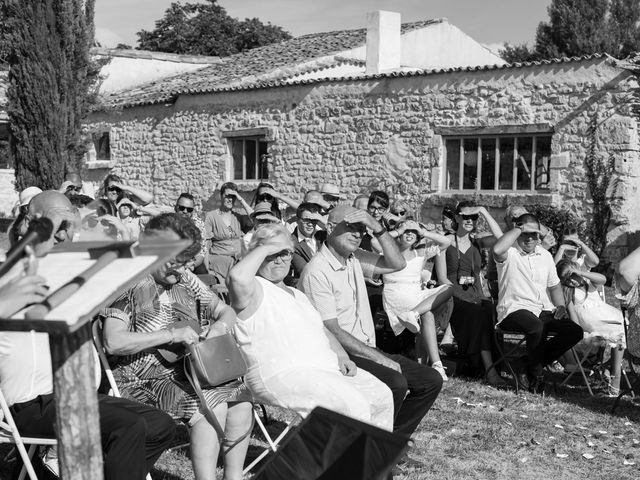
616, 369
428, 336
205, 445
239, 423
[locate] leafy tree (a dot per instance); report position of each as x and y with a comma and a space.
517, 53
207, 29
50, 78
582, 27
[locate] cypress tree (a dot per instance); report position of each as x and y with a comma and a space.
50, 81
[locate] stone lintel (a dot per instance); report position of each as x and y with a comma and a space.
527, 128
268, 132
495, 199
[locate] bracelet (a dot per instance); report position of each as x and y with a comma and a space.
380, 233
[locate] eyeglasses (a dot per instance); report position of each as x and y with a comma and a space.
182, 208
284, 255
473, 217
308, 221
377, 209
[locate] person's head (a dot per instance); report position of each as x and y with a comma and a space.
110, 191
343, 237
264, 195
262, 214
70, 189
307, 221
449, 224
378, 204
330, 193
27, 194
228, 193
571, 248
125, 208
511, 213
185, 205
361, 201
173, 227
94, 226
314, 196
568, 278
64, 216
274, 267
530, 236
466, 222
411, 236
400, 209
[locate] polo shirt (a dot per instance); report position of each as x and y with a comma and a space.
523, 280
339, 291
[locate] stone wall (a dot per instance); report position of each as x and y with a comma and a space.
8, 194
382, 134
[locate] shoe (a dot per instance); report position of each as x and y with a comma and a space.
50, 461
556, 367
536, 385
498, 383
438, 367
409, 320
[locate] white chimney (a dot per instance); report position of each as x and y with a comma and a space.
383, 41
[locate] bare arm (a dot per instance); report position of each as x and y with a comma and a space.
591, 259
628, 270
143, 196
118, 340
504, 243
440, 264
559, 253
248, 210
491, 222
596, 278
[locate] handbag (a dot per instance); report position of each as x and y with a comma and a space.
212, 362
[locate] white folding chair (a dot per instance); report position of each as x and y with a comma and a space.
9, 434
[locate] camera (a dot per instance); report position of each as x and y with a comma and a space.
464, 281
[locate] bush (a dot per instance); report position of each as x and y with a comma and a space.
557, 219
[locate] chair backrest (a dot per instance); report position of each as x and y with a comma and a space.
96, 328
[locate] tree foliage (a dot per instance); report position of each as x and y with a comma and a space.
50, 80
583, 27
207, 29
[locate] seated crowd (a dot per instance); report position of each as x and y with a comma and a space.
303, 293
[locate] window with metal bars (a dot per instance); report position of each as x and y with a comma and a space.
498, 162
250, 158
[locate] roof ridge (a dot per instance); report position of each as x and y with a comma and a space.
152, 55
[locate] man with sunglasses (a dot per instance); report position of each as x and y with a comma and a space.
307, 239
186, 206
334, 282
530, 298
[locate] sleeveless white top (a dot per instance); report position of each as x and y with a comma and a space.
285, 333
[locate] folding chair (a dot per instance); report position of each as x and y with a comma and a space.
9, 434
519, 338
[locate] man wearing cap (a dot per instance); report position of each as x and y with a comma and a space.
334, 281
530, 299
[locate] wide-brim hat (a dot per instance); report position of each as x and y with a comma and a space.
27, 194
330, 189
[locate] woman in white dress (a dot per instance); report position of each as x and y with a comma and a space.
406, 303
599, 320
293, 360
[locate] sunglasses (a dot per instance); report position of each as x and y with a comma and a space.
356, 227
473, 217
283, 255
265, 197
74, 188
330, 198
309, 221
400, 213
114, 189
232, 197
182, 208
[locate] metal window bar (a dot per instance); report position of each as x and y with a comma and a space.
461, 164
479, 163
533, 163
514, 176
496, 180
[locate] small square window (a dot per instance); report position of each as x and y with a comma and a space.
250, 158
102, 145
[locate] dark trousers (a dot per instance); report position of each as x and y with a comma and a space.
133, 435
541, 350
423, 384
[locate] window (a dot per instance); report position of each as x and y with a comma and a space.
102, 145
250, 158
5, 155
503, 162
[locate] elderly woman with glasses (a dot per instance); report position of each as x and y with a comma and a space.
293, 360
140, 329
472, 316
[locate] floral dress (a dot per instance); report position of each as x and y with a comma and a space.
146, 376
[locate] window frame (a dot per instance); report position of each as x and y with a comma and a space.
259, 139
97, 138
497, 137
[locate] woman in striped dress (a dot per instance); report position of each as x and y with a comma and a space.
139, 323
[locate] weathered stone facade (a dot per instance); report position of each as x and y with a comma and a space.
382, 133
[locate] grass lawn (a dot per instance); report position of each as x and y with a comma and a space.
474, 431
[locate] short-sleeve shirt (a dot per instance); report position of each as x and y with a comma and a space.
339, 291
523, 280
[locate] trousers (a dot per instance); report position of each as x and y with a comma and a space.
414, 389
541, 350
133, 435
